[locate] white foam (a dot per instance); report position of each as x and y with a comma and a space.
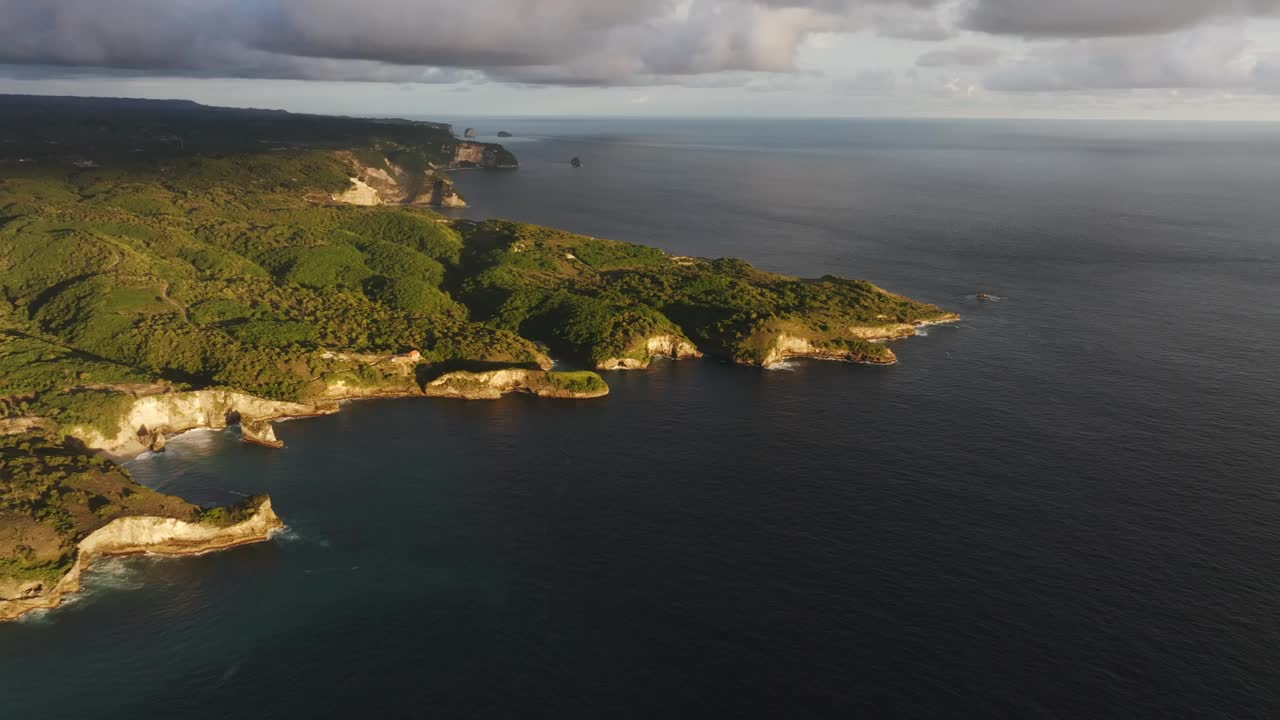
290, 535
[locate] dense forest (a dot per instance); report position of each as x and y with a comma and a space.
165, 242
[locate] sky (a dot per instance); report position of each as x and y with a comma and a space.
1162, 59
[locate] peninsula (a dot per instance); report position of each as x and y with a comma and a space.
166, 266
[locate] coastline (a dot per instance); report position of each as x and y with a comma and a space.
215, 409
740, 314
143, 535
171, 537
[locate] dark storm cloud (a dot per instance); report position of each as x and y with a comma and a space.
1101, 18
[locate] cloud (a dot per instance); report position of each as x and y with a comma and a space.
534, 41
1102, 18
964, 55
753, 45
867, 82
1218, 58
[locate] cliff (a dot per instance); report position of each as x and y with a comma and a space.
378, 181
785, 347
483, 155
493, 384
134, 536
260, 433
147, 422
172, 413
858, 344
671, 346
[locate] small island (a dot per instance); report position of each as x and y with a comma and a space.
166, 266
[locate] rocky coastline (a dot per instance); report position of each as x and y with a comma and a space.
137, 536
152, 420
100, 358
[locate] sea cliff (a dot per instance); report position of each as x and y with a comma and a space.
169, 414
136, 536
675, 347
148, 422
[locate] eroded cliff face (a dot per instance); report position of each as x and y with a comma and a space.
897, 331
390, 184
260, 432
360, 193
789, 346
172, 413
493, 384
482, 155
785, 343
672, 346
134, 536
386, 183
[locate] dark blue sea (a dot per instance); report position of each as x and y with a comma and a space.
1066, 506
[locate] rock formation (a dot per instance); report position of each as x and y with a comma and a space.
672, 346
493, 384
259, 432
172, 413
135, 536
483, 155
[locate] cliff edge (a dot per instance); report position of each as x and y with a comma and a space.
61, 506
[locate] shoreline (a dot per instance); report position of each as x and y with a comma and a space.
333, 405
143, 535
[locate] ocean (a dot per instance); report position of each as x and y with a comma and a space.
1067, 505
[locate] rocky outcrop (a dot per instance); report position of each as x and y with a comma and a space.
789, 346
442, 195
672, 346
390, 184
493, 384
135, 536
482, 155
260, 432
897, 331
153, 440
386, 183
469, 132
173, 413
786, 346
